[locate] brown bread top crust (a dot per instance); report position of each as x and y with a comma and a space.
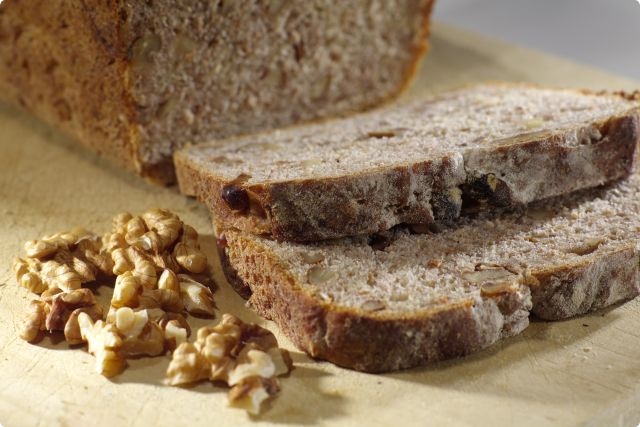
423, 180
136, 80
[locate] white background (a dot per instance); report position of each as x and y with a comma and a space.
601, 33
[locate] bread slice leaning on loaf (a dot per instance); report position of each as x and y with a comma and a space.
135, 80
414, 163
402, 299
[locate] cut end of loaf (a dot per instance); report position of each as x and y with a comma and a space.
220, 69
135, 81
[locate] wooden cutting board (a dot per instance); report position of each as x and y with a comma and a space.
583, 371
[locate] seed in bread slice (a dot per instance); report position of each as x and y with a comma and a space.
510, 144
403, 299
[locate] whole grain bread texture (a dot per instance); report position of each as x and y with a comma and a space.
409, 297
500, 145
135, 80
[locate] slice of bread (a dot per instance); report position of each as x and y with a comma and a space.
509, 144
401, 299
136, 80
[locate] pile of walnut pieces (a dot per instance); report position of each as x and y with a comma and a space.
244, 356
161, 276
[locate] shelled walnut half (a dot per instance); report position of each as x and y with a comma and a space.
62, 261
58, 312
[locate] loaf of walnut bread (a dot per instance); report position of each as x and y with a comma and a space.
404, 298
134, 80
502, 143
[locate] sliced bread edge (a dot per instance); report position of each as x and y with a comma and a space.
520, 170
363, 340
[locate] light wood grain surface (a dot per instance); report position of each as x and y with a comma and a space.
584, 371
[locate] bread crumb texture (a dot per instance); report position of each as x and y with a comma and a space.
557, 258
482, 117
497, 144
137, 80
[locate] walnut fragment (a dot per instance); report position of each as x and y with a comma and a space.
157, 264
152, 257
245, 356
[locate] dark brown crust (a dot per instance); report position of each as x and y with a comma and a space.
516, 164
599, 281
362, 341
307, 210
317, 209
230, 273
371, 342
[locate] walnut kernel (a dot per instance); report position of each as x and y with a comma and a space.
104, 343
245, 356
197, 298
34, 321
318, 275
252, 393
152, 256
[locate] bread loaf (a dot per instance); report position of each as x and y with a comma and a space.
415, 163
403, 298
136, 80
